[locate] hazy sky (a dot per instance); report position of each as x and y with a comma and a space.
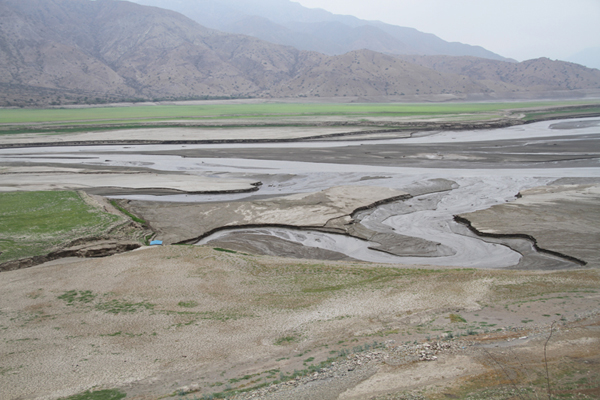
519, 29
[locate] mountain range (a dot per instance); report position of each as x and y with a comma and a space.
289, 23
82, 51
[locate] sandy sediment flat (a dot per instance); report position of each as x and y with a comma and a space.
184, 134
177, 222
110, 181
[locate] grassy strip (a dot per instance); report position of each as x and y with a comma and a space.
98, 114
225, 250
130, 215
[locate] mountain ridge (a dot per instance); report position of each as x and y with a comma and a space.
305, 28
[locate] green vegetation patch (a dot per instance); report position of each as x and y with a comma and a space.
33, 223
286, 340
456, 318
109, 394
61, 121
86, 300
188, 304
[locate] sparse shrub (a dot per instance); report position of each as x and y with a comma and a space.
456, 318
72, 296
188, 304
117, 306
285, 340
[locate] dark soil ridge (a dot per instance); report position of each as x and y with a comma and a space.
82, 248
116, 190
469, 225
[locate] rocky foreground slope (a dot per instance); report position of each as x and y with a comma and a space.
173, 320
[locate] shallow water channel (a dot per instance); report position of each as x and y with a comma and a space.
484, 168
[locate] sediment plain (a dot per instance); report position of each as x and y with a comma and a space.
383, 293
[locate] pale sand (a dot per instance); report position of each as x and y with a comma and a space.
76, 180
182, 221
181, 134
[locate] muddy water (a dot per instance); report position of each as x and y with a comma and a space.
487, 168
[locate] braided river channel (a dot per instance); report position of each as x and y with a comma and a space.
446, 173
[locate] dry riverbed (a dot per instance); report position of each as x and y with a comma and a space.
187, 321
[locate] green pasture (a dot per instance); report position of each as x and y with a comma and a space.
33, 223
232, 111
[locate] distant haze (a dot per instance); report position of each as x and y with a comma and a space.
519, 29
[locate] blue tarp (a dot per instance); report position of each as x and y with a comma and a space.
156, 243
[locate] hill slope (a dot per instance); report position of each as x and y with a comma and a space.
538, 74
78, 51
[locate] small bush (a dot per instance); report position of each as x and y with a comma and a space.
455, 318
188, 304
285, 340
72, 296
117, 307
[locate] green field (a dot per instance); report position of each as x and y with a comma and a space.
111, 115
57, 121
34, 223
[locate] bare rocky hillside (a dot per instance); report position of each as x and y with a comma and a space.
536, 74
81, 51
